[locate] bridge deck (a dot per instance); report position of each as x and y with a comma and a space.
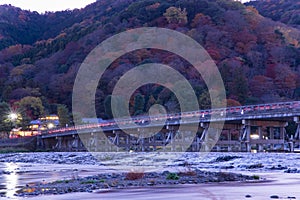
276, 111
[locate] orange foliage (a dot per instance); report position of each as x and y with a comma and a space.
200, 20
153, 6
134, 175
232, 103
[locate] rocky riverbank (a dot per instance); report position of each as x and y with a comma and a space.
104, 182
80, 174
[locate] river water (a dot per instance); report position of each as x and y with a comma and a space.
282, 172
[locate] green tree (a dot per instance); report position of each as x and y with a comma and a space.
176, 15
5, 125
151, 102
31, 108
139, 104
63, 114
76, 118
107, 107
8, 120
204, 100
239, 88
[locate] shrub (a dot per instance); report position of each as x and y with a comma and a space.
172, 176
256, 177
134, 175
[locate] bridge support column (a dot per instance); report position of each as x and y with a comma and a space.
296, 139
170, 138
127, 142
229, 140
95, 142
117, 142
260, 140
291, 144
282, 136
203, 136
40, 143
92, 142
260, 146
75, 143
205, 129
246, 134
58, 145
271, 129
141, 140
198, 144
116, 138
297, 133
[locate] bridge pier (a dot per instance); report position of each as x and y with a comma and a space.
295, 140
229, 138
58, 144
263, 134
249, 135
76, 144
64, 143
40, 144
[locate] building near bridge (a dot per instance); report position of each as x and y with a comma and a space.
36, 126
45, 123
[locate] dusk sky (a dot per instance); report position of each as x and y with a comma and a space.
54, 5
42, 5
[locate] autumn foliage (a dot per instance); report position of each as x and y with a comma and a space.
258, 58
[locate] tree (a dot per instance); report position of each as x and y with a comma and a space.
261, 85
201, 20
204, 100
151, 102
107, 107
284, 79
8, 119
5, 125
139, 104
239, 88
31, 108
232, 103
176, 15
120, 109
63, 114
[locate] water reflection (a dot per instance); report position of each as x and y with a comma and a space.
11, 179
14, 176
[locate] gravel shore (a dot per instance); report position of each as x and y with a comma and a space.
130, 180
78, 173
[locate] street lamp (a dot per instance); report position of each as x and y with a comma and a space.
13, 116
50, 126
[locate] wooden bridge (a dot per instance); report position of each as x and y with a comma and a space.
246, 128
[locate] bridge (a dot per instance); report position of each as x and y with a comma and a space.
246, 128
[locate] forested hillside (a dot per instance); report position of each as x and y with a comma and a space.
259, 58
287, 11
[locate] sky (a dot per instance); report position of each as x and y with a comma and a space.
47, 5
50, 5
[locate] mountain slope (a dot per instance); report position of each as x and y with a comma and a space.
286, 11
250, 50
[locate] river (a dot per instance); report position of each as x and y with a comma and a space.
282, 172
